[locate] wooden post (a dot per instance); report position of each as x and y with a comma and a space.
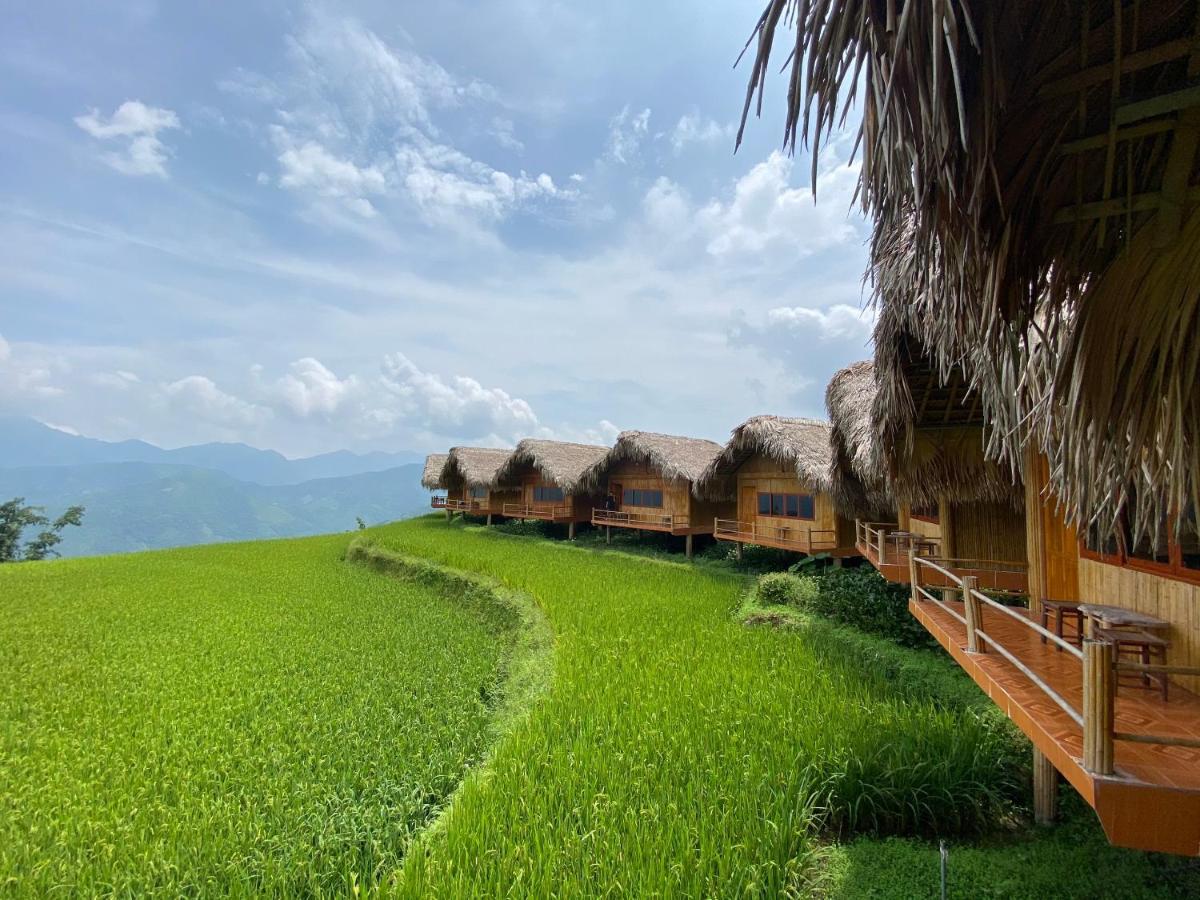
571, 531
687, 543
914, 577
739, 549
882, 544
608, 534
449, 514
489, 519
1099, 701
1045, 788
973, 613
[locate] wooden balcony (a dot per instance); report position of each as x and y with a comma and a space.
543, 511
468, 507
437, 502
1132, 756
797, 538
887, 550
643, 520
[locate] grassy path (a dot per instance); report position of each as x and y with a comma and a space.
679, 753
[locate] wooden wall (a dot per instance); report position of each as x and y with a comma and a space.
766, 475
676, 496
988, 531
581, 504
1178, 602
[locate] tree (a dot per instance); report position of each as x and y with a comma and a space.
15, 517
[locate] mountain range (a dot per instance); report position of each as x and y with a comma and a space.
139, 496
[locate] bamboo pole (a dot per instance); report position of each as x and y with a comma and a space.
972, 612
688, 546
570, 531
1099, 701
914, 577
489, 519
1045, 788
881, 545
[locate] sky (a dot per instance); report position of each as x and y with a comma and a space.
406, 226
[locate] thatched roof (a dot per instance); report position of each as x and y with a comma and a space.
858, 478
1033, 166
559, 462
474, 467
800, 444
431, 477
678, 459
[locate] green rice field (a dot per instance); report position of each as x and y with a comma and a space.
274, 718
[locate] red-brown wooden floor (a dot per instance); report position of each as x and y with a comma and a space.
1153, 800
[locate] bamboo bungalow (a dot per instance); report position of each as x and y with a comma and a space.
431, 478
778, 470
651, 478
858, 482
1031, 172
549, 475
473, 484
957, 507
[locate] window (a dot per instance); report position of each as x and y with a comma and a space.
787, 506
546, 494
1160, 554
639, 497
925, 513
478, 493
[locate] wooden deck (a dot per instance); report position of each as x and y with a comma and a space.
645, 520
437, 502
888, 553
473, 507
797, 538
1152, 801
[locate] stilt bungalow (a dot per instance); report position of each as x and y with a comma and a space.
549, 475
651, 479
778, 470
473, 485
1032, 176
431, 478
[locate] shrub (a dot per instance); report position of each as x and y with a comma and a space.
782, 589
865, 599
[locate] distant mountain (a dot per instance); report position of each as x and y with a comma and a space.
140, 506
27, 442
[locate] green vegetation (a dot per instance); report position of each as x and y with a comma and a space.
16, 517
255, 718
273, 718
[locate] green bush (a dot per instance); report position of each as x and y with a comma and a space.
782, 589
865, 599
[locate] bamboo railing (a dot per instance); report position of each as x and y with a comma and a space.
1098, 664
622, 518
437, 502
462, 505
788, 537
536, 511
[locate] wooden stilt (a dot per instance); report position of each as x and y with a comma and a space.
739, 549
688, 546
1045, 788
608, 534
449, 515
489, 521
571, 531
837, 562
1099, 698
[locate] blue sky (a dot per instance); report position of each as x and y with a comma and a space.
311, 226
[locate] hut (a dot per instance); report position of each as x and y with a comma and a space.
549, 478
473, 485
857, 478
778, 469
1031, 173
431, 478
651, 481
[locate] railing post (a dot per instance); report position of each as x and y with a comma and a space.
809, 549
914, 576
1099, 702
882, 545
972, 611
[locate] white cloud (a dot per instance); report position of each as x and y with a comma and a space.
692, 128
25, 378
309, 388
137, 126
5, 350
199, 396
250, 86
307, 166
626, 132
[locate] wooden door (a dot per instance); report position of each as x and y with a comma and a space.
618, 492
1061, 556
748, 504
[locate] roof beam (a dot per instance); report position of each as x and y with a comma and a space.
1118, 207
1158, 105
1180, 160
1133, 62
1100, 141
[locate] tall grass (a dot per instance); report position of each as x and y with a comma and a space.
245, 719
679, 753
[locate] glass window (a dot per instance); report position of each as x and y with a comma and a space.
478, 493
1189, 541
629, 497
808, 506
545, 494
777, 504
764, 504
1150, 546
792, 504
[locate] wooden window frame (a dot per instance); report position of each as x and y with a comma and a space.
561, 498
799, 506
483, 492
636, 492
1173, 570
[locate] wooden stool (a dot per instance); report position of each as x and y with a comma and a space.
1063, 609
1146, 646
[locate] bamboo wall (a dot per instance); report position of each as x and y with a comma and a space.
1178, 602
676, 496
993, 531
765, 475
581, 504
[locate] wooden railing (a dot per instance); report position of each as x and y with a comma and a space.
1098, 663
437, 502
878, 542
535, 511
623, 518
462, 505
997, 575
791, 537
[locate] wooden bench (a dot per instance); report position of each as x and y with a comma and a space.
1147, 647
1062, 609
